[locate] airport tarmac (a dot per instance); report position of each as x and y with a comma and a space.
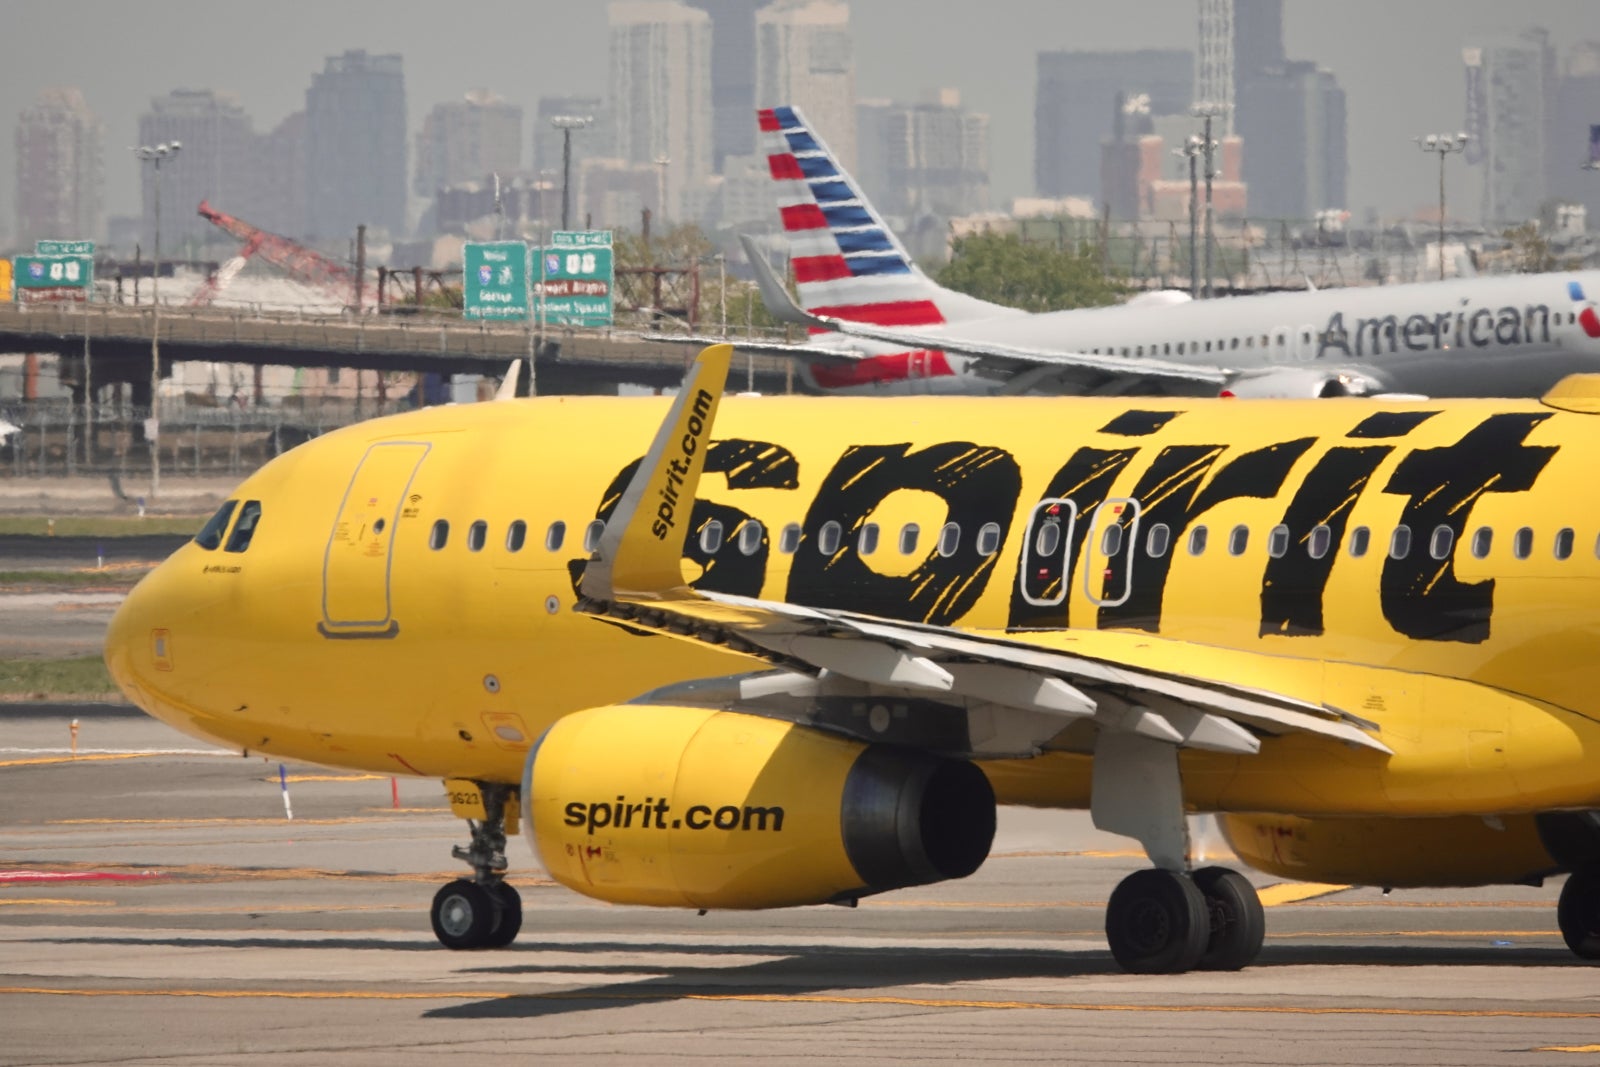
156, 906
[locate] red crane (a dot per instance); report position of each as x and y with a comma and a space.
298, 261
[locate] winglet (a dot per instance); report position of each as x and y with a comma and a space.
508, 384
780, 305
641, 551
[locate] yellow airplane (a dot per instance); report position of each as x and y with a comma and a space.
798, 652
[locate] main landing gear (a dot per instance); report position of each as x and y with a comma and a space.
484, 911
1168, 922
1578, 912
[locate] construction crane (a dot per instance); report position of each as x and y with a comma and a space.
299, 262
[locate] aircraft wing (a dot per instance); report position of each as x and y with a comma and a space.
994, 360
636, 579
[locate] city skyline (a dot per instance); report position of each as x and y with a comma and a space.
1402, 72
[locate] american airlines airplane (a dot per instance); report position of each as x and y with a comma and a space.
880, 325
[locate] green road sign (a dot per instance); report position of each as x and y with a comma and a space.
63, 248
496, 280
53, 272
577, 278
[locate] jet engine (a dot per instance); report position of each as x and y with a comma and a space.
708, 808
1300, 384
1452, 851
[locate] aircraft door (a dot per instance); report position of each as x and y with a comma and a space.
356, 565
1109, 551
1046, 547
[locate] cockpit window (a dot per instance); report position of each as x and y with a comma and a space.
245, 528
210, 535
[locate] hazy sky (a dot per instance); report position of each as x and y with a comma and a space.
1398, 60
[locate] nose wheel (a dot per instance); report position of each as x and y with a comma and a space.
484, 911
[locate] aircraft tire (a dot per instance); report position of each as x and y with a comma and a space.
463, 915
1578, 912
1238, 925
1157, 922
509, 905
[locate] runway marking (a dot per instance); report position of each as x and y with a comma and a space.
92, 755
224, 820
1274, 896
42, 902
984, 904
76, 876
1417, 933
1568, 1048
329, 778
805, 998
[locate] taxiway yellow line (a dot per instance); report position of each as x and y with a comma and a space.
1568, 1048
53, 902
1293, 892
92, 757
329, 778
804, 998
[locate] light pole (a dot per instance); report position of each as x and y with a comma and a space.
1192, 149
154, 154
661, 189
1208, 111
566, 124
1442, 144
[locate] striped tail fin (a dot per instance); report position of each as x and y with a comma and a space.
847, 264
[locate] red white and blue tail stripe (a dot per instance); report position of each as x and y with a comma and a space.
846, 262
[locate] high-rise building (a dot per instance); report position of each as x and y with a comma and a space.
466, 139
1292, 121
61, 171
356, 145
805, 58
1257, 40
733, 76
1076, 102
930, 157
216, 164
661, 97
1508, 84
1575, 107
281, 167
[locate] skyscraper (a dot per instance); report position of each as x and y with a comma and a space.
1076, 102
1292, 122
61, 175
733, 76
1257, 40
356, 145
466, 139
1575, 107
217, 164
281, 168
805, 58
661, 96
930, 157
1508, 84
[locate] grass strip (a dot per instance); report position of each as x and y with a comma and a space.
108, 526
115, 577
43, 679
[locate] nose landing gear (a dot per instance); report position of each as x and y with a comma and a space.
484, 911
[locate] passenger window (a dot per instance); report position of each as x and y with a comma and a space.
210, 535
1482, 542
1180, 348
1439, 544
1321, 541
245, 528
516, 536
1360, 537
1400, 542
1110, 541
867, 540
1160, 539
554, 536
828, 537
949, 539
1238, 540
1278, 542
1197, 540
1564, 540
439, 536
909, 534
592, 534
1141, 350
1521, 541
477, 533
711, 537
989, 539
789, 540
750, 535
1047, 540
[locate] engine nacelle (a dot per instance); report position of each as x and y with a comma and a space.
1453, 851
1298, 384
703, 808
